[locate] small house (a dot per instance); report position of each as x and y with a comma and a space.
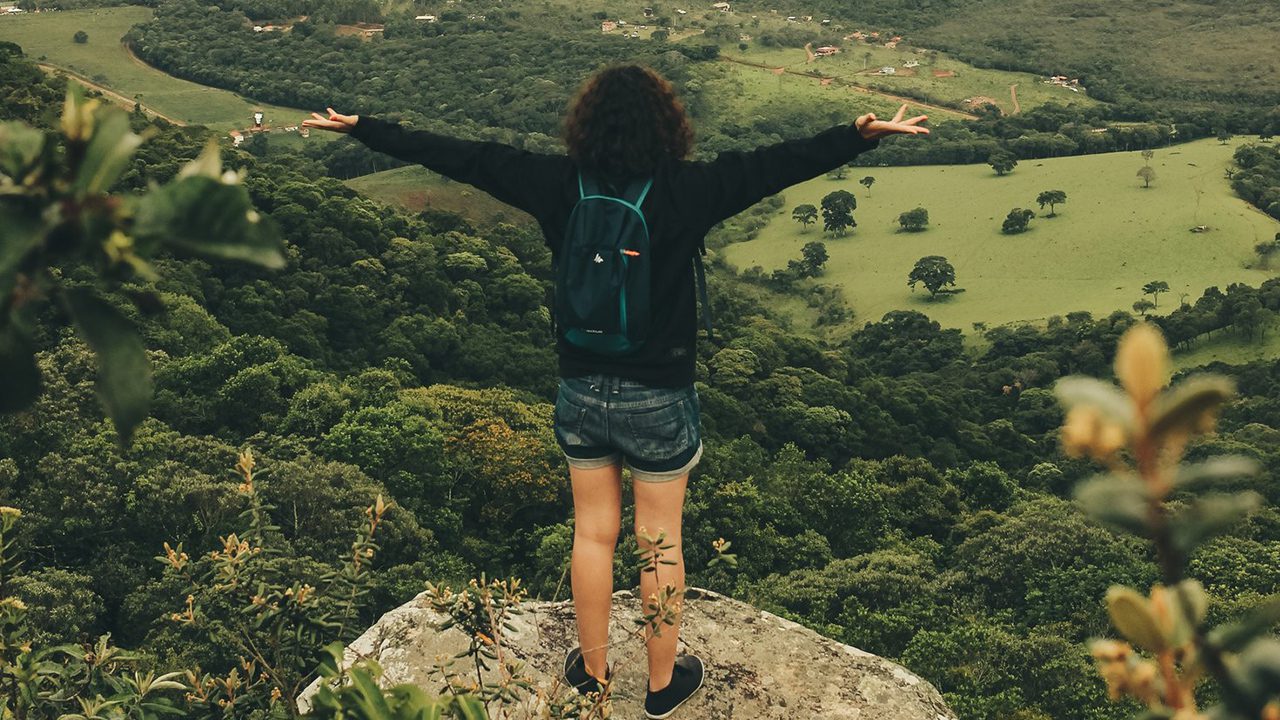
911, 64
888, 70
892, 44
648, 12
721, 6
826, 50
426, 18
608, 26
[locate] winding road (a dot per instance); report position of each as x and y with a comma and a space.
114, 96
859, 88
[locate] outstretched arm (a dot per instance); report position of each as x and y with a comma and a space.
516, 177
735, 181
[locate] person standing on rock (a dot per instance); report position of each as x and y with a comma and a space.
625, 215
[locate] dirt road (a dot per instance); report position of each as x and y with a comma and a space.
860, 88
114, 96
1013, 94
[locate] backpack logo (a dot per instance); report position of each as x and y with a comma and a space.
597, 260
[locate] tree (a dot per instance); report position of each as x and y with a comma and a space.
1016, 221
837, 212
1051, 198
1143, 306
934, 272
839, 173
1002, 161
866, 59
1267, 250
1147, 174
814, 256
914, 220
659, 35
1223, 135
805, 214
1154, 288
1147, 155
867, 182
81, 37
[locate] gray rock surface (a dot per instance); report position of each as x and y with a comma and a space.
759, 666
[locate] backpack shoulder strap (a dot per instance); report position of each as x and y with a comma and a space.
703, 299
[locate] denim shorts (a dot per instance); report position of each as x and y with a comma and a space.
603, 420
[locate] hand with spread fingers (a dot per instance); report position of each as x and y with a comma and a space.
334, 123
873, 128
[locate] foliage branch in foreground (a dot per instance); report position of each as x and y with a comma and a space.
1141, 435
58, 216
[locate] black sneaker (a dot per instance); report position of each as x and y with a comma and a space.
686, 678
575, 673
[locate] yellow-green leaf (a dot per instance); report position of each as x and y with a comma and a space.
1131, 614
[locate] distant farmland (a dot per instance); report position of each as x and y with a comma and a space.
46, 37
1110, 238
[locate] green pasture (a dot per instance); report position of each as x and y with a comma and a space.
1109, 239
46, 37
416, 188
853, 65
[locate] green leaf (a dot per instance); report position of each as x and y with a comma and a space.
1116, 500
20, 381
124, 374
1227, 467
1078, 390
1131, 614
1210, 516
1254, 624
20, 148
20, 233
112, 146
207, 217
1258, 670
1185, 407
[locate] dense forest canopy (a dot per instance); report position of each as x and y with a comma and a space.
898, 489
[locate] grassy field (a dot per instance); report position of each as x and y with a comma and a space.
958, 81
46, 37
1231, 348
1110, 238
416, 188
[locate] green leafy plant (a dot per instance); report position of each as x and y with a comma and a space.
58, 217
245, 596
1141, 434
69, 682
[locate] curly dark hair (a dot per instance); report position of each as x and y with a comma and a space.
625, 121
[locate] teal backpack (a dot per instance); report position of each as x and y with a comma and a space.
604, 268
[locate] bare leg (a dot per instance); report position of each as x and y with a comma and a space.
659, 508
597, 511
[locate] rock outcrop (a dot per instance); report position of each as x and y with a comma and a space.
759, 666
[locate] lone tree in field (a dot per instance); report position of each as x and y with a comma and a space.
837, 212
1147, 174
1017, 221
805, 214
81, 37
839, 173
1154, 288
813, 256
867, 182
1051, 198
1224, 135
1003, 162
1143, 306
914, 220
1147, 155
866, 59
934, 272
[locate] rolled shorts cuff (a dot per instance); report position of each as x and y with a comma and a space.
659, 476
593, 463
